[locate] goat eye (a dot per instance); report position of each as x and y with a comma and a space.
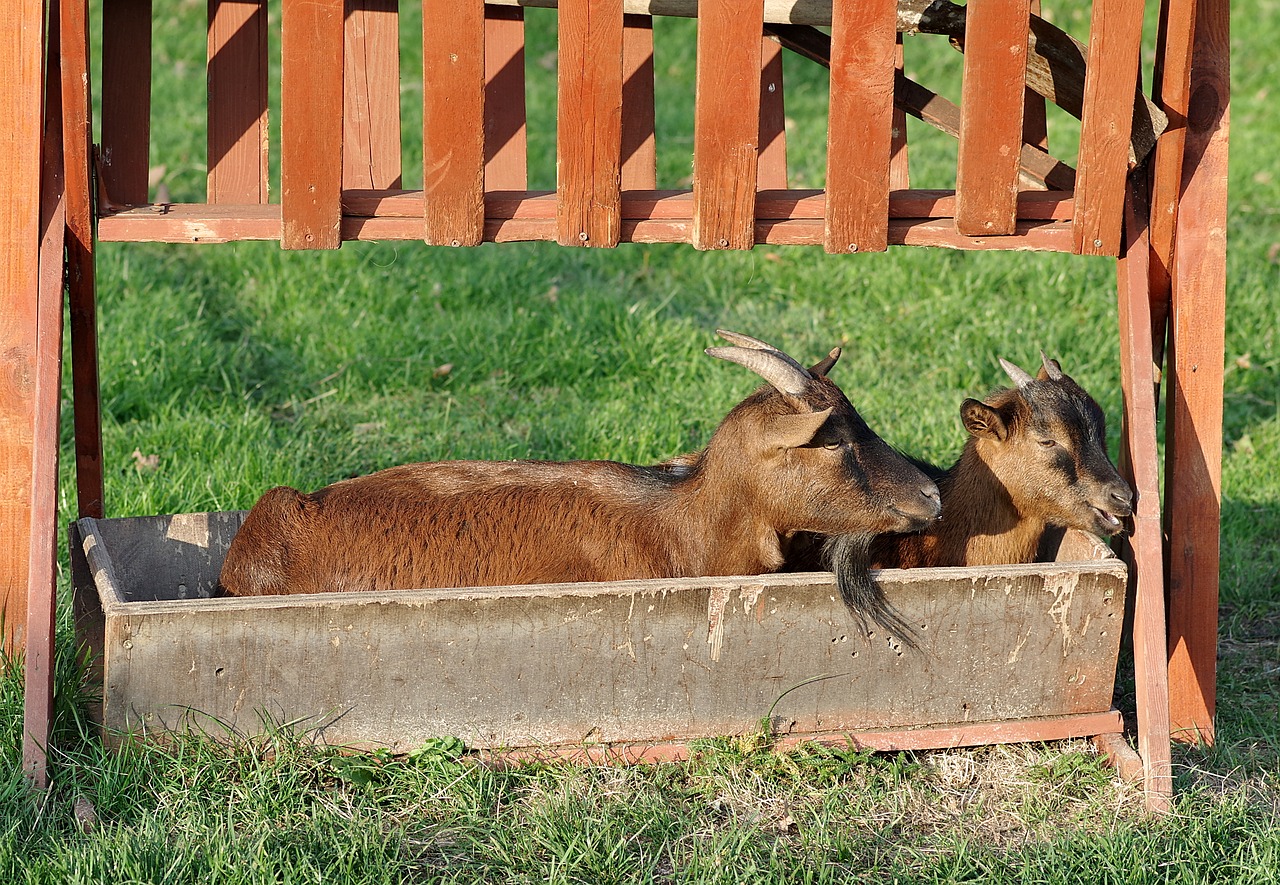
1048, 443
832, 446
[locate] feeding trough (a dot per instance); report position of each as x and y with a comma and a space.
636, 668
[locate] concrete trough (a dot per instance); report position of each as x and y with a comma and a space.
632, 669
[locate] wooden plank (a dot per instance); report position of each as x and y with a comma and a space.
1172, 91
1115, 38
453, 122
639, 141
21, 46
1193, 454
991, 107
237, 77
726, 127
43, 548
126, 100
860, 128
311, 77
589, 123
506, 165
371, 94
1140, 464
899, 168
1035, 125
77, 137
771, 172
1115, 749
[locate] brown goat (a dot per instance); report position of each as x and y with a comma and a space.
1035, 459
794, 455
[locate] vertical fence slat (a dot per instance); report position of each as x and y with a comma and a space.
1172, 92
453, 122
639, 143
589, 123
859, 134
371, 95
991, 108
506, 165
772, 172
77, 136
126, 99
1115, 35
899, 168
237, 80
311, 124
726, 123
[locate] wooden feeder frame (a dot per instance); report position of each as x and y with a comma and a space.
1161, 211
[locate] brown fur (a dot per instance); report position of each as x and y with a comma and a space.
778, 463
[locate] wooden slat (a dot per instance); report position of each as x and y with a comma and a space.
1140, 464
991, 106
311, 124
1193, 452
899, 167
860, 131
772, 171
726, 126
1172, 91
77, 136
1035, 125
371, 94
453, 121
1115, 37
639, 142
21, 38
237, 77
589, 123
506, 165
126, 100
43, 487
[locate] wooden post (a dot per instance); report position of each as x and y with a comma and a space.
899, 168
506, 165
772, 171
991, 108
589, 123
311, 124
864, 52
453, 122
126, 100
21, 48
1193, 467
237, 76
639, 138
371, 95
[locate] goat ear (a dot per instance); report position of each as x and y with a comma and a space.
823, 366
795, 430
982, 420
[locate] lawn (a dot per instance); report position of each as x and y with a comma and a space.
229, 369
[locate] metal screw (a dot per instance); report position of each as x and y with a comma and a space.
853, 247
456, 243
724, 244
1097, 244
584, 236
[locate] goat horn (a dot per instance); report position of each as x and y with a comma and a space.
747, 341
1019, 376
1051, 367
785, 374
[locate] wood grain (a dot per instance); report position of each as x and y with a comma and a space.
771, 172
506, 165
371, 94
237, 102
126, 100
639, 138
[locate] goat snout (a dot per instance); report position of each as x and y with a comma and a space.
920, 510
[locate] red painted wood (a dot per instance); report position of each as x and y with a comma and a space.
126, 100
639, 142
237, 103
453, 121
1140, 464
991, 108
589, 123
860, 131
1193, 452
77, 137
311, 124
21, 43
506, 165
371, 94
772, 171
1115, 36
726, 127
899, 168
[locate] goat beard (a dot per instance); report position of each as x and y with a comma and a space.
849, 558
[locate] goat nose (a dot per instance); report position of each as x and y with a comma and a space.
1122, 495
931, 494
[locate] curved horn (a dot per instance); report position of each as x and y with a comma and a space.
785, 374
1051, 367
1020, 377
823, 366
744, 340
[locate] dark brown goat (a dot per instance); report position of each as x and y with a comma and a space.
794, 455
1035, 459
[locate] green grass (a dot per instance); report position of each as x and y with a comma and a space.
228, 369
